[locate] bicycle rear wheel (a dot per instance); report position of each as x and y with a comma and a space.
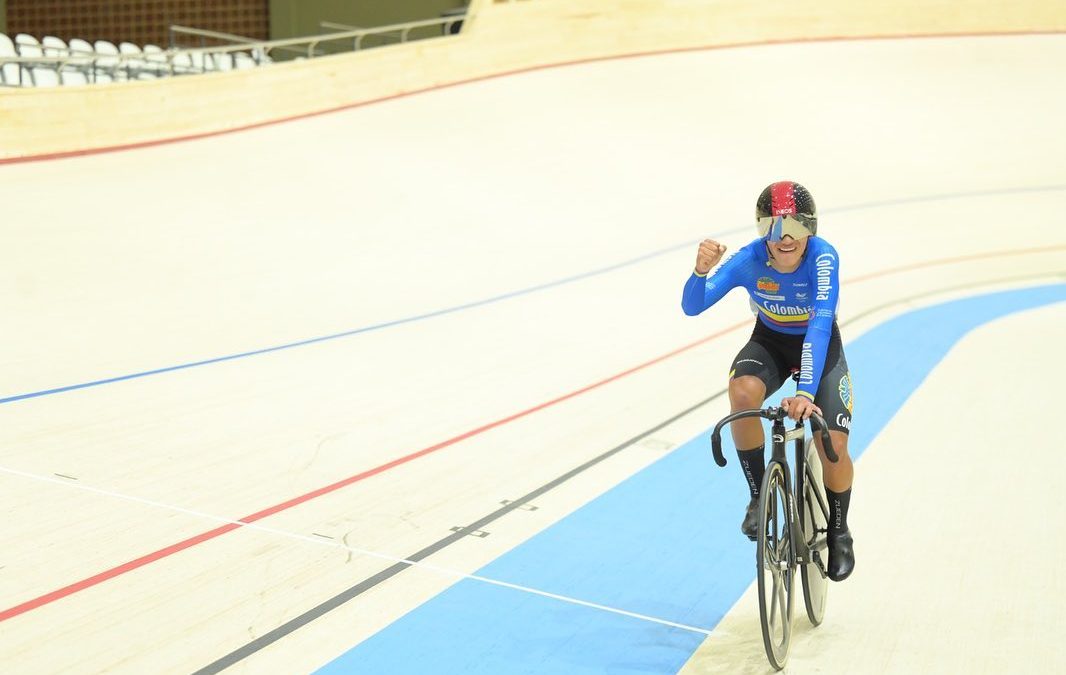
773, 564
814, 516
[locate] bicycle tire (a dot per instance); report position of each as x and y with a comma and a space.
775, 566
814, 518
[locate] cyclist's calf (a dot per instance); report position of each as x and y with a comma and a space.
836, 475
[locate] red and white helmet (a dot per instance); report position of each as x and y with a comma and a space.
785, 208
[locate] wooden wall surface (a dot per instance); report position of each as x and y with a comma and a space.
500, 37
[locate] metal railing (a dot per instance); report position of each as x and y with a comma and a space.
203, 59
385, 37
204, 35
309, 45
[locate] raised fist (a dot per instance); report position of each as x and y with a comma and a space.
708, 256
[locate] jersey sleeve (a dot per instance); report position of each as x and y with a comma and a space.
825, 277
702, 291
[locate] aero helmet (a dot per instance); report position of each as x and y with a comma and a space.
784, 208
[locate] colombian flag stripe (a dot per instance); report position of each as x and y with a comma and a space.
781, 319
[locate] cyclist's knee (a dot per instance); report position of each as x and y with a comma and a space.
840, 443
746, 391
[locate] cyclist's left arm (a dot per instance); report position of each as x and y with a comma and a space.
825, 283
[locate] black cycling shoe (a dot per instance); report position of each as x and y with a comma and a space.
750, 526
841, 555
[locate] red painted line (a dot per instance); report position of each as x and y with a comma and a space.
738, 45
957, 259
89, 582
113, 572
333, 487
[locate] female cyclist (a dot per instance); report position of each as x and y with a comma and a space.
792, 278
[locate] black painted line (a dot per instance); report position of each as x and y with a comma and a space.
329, 605
389, 572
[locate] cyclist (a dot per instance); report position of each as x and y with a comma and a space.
791, 276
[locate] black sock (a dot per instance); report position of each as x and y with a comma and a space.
753, 463
838, 509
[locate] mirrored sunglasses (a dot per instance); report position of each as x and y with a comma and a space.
776, 227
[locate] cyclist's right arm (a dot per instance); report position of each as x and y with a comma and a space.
702, 291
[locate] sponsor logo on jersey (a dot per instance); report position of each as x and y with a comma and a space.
767, 284
843, 421
786, 310
802, 296
845, 392
823, 265
800, 284
806, 367
767, 296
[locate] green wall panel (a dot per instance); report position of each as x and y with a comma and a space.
295, 18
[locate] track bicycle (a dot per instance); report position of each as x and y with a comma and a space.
785, 542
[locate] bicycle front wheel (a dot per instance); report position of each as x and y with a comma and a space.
774, 566
814, 516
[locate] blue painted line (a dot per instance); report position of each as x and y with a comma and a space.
949, 196
663, 543
498, 298
364, 329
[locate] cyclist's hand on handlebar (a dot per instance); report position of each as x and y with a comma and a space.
799, 408
708, 256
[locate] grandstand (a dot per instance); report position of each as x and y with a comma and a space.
26, 61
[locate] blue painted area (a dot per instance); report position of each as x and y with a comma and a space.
663, 543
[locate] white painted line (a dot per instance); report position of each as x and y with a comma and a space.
319, 541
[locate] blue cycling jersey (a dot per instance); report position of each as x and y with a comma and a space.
803, 302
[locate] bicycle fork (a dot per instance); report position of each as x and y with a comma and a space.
798, 551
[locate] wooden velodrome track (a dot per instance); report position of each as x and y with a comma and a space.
371, 391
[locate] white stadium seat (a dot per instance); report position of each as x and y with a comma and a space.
9, 72
41, 75
199, 63
135, 65
223, 61
27, 45
156, 60
261, 57
69, 73
244, 61
53, 46
79, 47
107, 68
104, 61
182, 64
74, 75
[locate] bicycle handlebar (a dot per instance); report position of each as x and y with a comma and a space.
774, 414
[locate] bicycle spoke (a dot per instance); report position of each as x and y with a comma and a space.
770, 553
776, 530
779, 599
773, 602
775, 571
823, 507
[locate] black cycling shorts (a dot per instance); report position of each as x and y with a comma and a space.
772, 356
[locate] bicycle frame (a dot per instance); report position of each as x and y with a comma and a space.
782, 564
799, 551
